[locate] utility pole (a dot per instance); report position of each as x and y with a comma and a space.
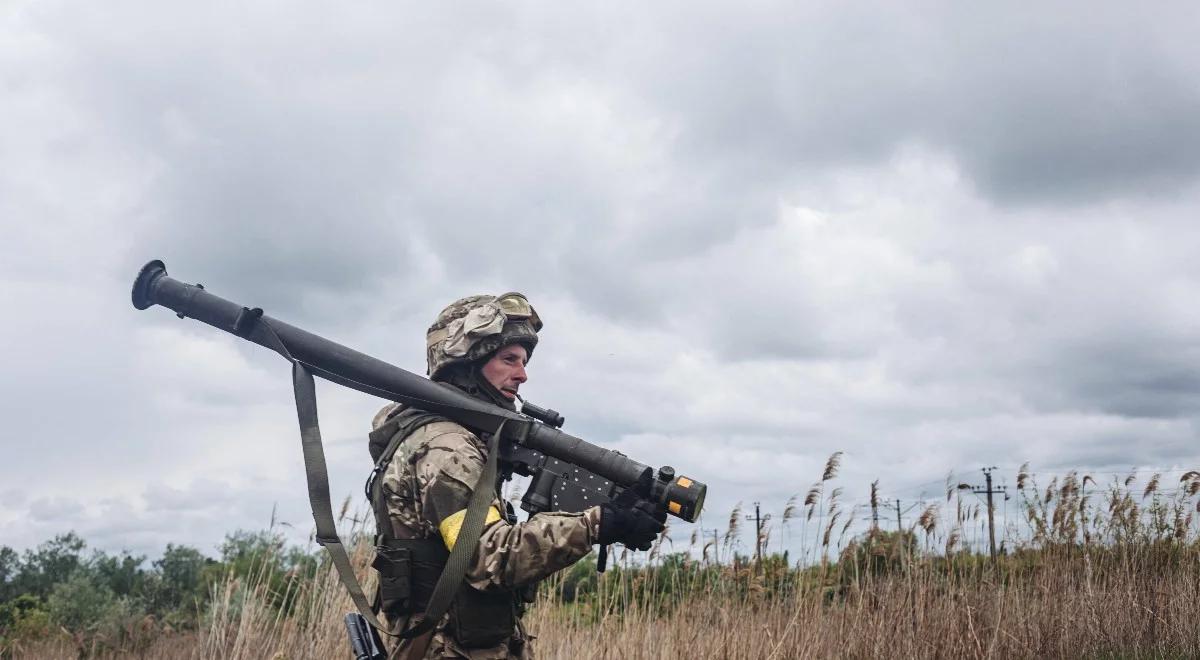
989, 491
899, 522
758, 521
716, 544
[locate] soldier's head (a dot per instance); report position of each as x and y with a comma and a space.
482, 343
505, 369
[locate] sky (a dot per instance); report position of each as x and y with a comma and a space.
932, 236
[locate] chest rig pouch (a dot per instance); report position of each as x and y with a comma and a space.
409, 568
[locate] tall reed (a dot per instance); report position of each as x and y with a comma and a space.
1090, 570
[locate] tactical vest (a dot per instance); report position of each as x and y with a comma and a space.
409, 568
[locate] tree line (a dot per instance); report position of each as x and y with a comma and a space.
62, 585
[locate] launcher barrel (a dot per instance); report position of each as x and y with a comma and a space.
345, 366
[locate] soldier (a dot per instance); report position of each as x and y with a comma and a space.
480, 345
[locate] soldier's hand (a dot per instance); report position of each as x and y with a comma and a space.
630, 520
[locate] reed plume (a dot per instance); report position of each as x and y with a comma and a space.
928, 518
789, 509
735, 523
1151, 486
831, 466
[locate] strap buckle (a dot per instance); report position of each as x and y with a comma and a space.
369, 487
246, 319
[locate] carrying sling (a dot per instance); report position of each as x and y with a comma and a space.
317, 477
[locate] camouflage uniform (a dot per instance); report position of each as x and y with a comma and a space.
427, 486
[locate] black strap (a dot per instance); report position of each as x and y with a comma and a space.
401, 429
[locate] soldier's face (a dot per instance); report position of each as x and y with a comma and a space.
506, 370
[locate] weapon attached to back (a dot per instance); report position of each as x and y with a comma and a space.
567, 473
364, 640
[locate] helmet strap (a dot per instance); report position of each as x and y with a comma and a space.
469, 378
490, 393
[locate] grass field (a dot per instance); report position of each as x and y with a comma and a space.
1099, 571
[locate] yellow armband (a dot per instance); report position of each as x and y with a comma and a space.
453, 523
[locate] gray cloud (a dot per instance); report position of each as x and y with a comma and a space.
931, 238
1135, 377
1038, 106
52, 510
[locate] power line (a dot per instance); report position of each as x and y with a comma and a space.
758, 539
926, 489
933, 490
991, 507
1085, 471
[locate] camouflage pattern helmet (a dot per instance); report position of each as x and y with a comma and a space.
473, 327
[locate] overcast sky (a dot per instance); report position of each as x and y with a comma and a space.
934, 237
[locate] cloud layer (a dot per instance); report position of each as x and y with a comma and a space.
930, 237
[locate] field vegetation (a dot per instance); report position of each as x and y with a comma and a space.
1098, 569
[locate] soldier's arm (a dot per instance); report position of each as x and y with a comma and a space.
509, 556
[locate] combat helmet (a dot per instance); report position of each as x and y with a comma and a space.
475, 326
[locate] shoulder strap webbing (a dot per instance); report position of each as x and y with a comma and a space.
400, 429
464, 544
318, 497
318, 490
405, 419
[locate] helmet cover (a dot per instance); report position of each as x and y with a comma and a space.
473, 327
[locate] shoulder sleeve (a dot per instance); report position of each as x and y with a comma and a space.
447, 465
513, 556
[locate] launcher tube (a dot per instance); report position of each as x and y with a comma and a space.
364, 373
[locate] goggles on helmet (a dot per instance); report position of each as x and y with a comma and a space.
516, 306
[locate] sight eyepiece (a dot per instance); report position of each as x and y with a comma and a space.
551, 417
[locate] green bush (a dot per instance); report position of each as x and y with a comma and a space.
81, 602
24, 615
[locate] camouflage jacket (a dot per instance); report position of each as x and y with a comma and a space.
427, 486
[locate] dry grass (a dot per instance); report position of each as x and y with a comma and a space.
1082, 604
1093, 571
